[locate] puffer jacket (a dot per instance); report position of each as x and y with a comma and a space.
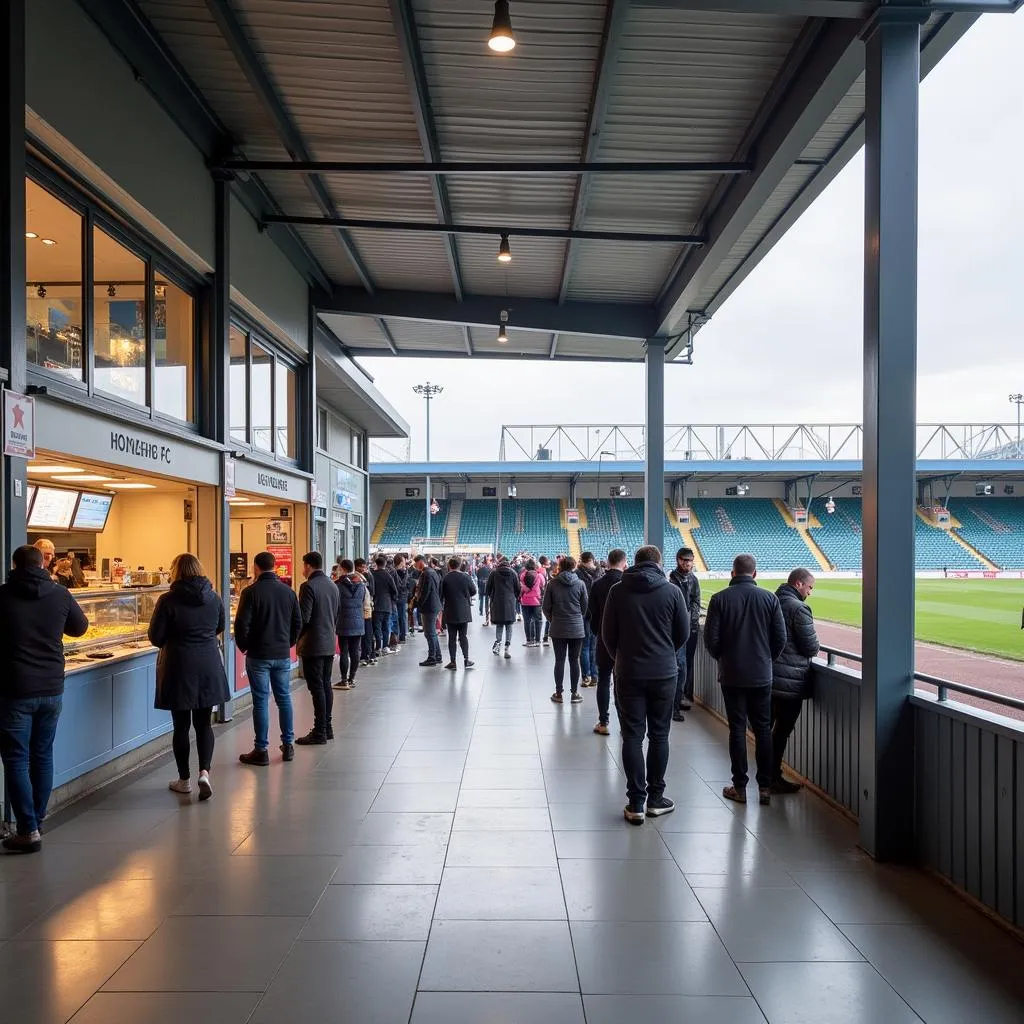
503, 589
565, 606
531, 596
352, 595
690, 586
791, 674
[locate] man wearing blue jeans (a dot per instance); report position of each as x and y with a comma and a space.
267, 626
35, 613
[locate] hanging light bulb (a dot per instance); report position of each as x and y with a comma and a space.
504, 250
501, 39
502, 334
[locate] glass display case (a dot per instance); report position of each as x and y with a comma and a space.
117, 619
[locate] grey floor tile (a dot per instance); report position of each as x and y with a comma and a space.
691, 818
497, 1008
503, 762
391, 865
761, 878
634, 844
517, 819
628, 890
329, 838
825, 993
490, 848
499, 956
417, 797
674, 1009
532, 799
367, 912
718, 853
660, 958
969, 970
430, 758
120, 827
46, 982
587, 817
357, 982
180, 957
412, 776
408, 829
774, 925
497, 894
503, 778
168, 1008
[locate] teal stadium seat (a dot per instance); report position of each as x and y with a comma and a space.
995, 526
613, 523
735, 526
408, 519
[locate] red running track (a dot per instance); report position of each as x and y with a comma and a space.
981, 670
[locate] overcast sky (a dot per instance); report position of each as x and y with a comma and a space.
786, 347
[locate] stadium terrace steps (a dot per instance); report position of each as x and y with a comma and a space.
673, 527
733, 526
816, 553
935, 548
839, 535
451, 533
572, 531
407, 518
382, 521
992, 526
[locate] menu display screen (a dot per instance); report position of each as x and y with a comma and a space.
53, 509
93, 510
29, 499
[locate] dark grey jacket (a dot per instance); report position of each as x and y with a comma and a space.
565, 605
690, 586
745, 632
385, 592
318, 603
791, 674
268, 620
457, 593
350, 606
503, 589
428, 592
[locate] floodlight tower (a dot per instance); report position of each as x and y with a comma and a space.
428, 391
1018, 400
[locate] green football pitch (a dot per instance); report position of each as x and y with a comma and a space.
977, 615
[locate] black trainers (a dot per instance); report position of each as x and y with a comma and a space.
429, 663
470, 664
634, 813
330, 732
678, 716
259, 758
686, 706
577, 698
287, 752
764, 797
783, 787
23, 844
659, 805
451, 665
311, 739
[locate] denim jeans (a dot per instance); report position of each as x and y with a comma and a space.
393, 625
753, 703
403, 623
785, 712
368, 638
430, 632
645, 707
266, 675
531, 622
588, 655
484, 601
27, 728
381, 624
680, 676
499, 627
604, 683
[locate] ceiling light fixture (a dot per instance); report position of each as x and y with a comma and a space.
501, 39
130, 487
47, 241
31, 234
83, 478
43, 468
504, 250
41, 291
502, 332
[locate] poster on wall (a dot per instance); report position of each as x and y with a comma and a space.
229, 479
19, 425
279, 531
282, 560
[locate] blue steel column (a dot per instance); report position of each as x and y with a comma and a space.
12, 256
890, 376
654, 437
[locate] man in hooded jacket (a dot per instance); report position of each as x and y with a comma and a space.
645, 622
589, 573
603, 660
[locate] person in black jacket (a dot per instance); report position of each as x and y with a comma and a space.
598, 600
401, 614
686, 580
483, 573
318, 605
457, 593
369, 656
503, 593
745, 633
35, 613
428, 603
791, 673
385, 594
353, 609
190, 676
589, 573
645, 622
267, 626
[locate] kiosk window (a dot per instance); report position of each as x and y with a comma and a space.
284, 395
261, 385
239, 410
53, 273
174, 350
119, 319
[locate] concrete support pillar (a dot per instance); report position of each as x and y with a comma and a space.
654, 437
893, 48
12, 258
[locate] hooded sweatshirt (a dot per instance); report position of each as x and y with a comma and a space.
645, 622
35, 613
565, 606
531, 596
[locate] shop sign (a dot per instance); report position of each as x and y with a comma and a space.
572, 516
19, 425
229, 479
276, 483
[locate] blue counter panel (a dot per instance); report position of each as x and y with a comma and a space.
108, 711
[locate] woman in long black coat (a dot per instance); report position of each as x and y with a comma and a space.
503, 589
190, 677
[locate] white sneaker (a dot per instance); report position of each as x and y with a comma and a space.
205, 787
180, 786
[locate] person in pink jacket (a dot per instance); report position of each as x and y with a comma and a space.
531, 579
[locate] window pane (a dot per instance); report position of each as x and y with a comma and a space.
285, 392
174, 344
53, 272
119, 319
262, 388
321, 429
239, 376
357, 449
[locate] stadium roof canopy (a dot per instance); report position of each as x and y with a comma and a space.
641, 155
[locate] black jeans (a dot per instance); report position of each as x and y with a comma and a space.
572, 648
753, 703
604, 682
199, 719
645, 708
691, 653
317, 673
458, 633
367, 644
348, 658
785, 712
531, 622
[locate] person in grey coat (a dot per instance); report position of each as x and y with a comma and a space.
457, 593
565, 605
503, 591
354, 607
318, 604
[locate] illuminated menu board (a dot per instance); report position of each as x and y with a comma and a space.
92, 513
29, 499
53, 509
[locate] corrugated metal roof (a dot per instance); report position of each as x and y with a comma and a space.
356, 331
620, 271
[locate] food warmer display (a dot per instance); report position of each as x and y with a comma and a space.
118, 621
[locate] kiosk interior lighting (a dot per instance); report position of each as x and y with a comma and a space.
81, 478
123, 485
501, 39
504, 250
31, 234
40, 469
47, 241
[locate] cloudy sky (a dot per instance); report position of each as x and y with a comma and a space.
786, 347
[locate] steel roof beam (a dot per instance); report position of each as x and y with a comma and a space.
485, 229
259, 80
388, 336
467, 338
828, 70
855, 9
598, 319
518, 168
404, 18
553, 351
611, 39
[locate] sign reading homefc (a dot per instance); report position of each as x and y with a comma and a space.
19, 425
127, 444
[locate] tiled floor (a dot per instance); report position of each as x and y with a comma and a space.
458, 855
